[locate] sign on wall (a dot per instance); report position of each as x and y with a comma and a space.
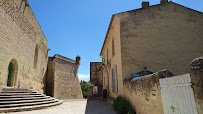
95, 89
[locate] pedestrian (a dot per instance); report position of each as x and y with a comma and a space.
105, 94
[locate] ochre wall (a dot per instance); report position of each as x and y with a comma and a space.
66, 82
160, 37
19, 34
114, 33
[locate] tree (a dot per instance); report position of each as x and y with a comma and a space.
84, 86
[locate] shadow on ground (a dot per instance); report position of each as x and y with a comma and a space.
98, 106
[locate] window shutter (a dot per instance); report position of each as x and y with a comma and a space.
112, 79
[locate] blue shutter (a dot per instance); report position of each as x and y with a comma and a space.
104, 81
112, 79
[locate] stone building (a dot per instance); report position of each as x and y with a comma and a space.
24, 55
23, 47
95, 73
96, 79
62, 78
152, 38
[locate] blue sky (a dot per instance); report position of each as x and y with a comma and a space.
78, 27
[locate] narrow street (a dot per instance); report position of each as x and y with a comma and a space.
80, 106
98, 106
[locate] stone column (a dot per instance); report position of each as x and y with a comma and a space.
196, 72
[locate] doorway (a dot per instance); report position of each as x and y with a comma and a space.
12, 73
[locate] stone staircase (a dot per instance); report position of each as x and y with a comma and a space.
16, 99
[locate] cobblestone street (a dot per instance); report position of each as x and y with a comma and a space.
81, 106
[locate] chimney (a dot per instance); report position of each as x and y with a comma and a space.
145, 4
78, 60
164, 1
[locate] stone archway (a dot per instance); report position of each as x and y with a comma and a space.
12, 73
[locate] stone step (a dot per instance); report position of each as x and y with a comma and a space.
28, 108
21, 96
17, 99
16, 94
14, 89
28, 104
26, 101
28, 98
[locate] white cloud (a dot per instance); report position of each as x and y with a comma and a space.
83, 76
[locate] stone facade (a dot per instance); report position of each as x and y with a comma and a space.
62, 78
23, 47
95, 73
24, 55
163, 36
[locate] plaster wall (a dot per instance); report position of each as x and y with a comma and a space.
166, 36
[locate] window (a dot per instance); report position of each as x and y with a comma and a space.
35, 56
116, 79
113, 48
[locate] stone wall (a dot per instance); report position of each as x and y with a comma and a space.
196, 72
20, 32
63, 78
96, 73
144, 92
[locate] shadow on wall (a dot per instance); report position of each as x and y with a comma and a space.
45, 82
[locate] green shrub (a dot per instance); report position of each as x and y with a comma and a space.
123, 106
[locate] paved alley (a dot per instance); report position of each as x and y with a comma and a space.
80, 106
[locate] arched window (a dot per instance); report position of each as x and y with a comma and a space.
36, 56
